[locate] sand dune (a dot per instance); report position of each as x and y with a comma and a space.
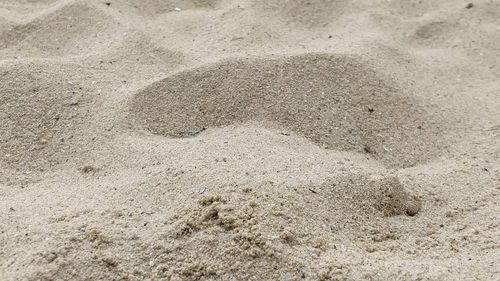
249, 140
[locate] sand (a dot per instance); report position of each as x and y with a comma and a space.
249, 140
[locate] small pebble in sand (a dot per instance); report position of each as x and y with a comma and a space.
201, 189
177, 9
333, 228
88, 169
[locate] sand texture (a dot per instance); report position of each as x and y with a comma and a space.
249, 140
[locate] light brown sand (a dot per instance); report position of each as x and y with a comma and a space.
249, 140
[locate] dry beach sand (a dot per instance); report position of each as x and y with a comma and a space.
249, 140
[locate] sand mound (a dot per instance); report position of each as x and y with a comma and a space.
431, 31
459, 28
74, 29
136, 51
158, 7
240, 232
25, 6
21, 3
307, 13
41, 113
335, 101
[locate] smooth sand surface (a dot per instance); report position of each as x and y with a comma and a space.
249, 140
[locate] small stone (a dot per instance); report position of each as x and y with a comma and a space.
287, 236
201, 189
333, 228
470, 5
87, 169
177, 9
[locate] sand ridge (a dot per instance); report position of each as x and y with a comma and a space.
73, 29
335, 101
